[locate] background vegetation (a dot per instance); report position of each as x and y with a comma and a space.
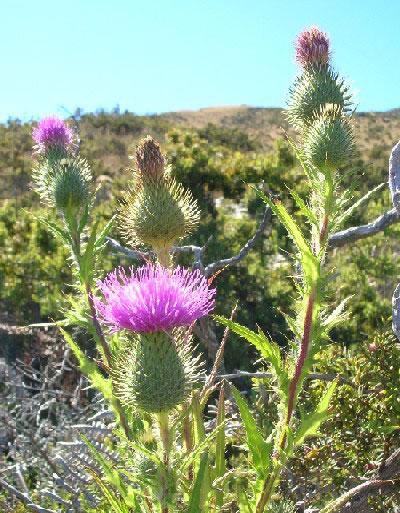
216, 153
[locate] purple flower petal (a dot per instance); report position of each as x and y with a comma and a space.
52, 131
312, 47
153, 298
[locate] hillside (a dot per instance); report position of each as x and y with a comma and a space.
108, 138
269, 124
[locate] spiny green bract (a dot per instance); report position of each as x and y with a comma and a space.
329, 143
316, 87
157, 213
155, 372
63, 183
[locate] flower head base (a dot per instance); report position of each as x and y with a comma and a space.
52, 132
153, 298
149, 160
312, 48
155, 372
157, 214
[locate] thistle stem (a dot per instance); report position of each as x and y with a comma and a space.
164, 256
311, 311
163, 422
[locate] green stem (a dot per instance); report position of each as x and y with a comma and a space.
76, 250
164, 256
165, 436
319, 243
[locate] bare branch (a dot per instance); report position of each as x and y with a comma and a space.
132, 254
394, 176
356, 499
313, 376
366, 230
198, 251
24, 498
219, 358
219, 264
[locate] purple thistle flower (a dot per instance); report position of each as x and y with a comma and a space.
52, 131
153, 298
312, 47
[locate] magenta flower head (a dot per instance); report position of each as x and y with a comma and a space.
52, 132
312, 47
153, 298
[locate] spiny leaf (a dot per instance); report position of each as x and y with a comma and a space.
268, 349
309, 260
103, 234
196, 493
86, 264
358, 203
310, 424
259, 448
89, 368
220, 464
54, 229
200, 448
304, 208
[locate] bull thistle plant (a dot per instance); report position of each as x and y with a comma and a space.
141, 319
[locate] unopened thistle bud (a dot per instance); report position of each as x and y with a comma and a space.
312, 48
314, 89
64, 184
329, 142
157, 211
72, 182
155, 370
149, 160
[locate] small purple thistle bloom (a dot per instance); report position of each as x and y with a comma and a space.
153, 298
312, 47
52, 131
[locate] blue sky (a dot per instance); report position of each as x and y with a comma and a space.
165, 55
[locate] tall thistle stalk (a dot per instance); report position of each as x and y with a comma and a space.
319, 108
140, 318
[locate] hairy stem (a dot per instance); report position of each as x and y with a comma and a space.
165, 436
319, 244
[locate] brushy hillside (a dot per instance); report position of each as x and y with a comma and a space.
110, 137
214, 152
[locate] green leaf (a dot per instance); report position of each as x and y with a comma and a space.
220, 464
268, 349
103, 234
196, 493
310, 424
199, 449
87, 260
259, 448
116, 505
304, 208
336, 317
58, 232
309, 261
111, 475
84, 219
358, 203
89, 368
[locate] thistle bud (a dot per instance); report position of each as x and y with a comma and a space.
149, 160
71, 185
329, 142
312, 48
309, 95
65, 183
152, 374
158, 214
